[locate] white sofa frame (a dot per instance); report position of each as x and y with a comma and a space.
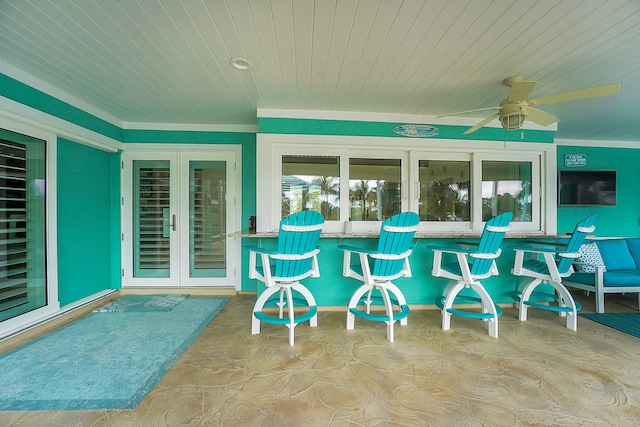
599, 289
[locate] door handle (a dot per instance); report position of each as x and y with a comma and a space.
173, 222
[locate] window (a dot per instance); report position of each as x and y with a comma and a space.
506, 187
342, 187
311, 183
374, 189
453, 186
23, 286
444, 190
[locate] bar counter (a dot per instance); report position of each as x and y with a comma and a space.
331, 289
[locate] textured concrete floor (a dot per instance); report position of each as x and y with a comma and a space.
536, 373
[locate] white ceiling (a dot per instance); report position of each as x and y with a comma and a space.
167, 61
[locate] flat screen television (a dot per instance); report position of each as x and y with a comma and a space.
586, 188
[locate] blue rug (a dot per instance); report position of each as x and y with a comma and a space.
142, 303
105, 360
625, 322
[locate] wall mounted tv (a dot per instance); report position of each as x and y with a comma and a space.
586, 188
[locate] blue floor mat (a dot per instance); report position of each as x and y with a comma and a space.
105, 360
625, 322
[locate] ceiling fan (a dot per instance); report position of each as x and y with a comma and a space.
516, 108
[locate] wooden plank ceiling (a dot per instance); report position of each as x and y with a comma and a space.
167, 61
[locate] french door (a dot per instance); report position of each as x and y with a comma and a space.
178, 208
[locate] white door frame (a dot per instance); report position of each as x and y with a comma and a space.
177, 153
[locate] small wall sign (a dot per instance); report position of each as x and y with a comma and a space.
416, 131
575, 160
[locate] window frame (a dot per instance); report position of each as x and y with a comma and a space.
536, 185
437, 226
411, 151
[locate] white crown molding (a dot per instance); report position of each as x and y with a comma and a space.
190, 127
39, 119
597, 143
445, 145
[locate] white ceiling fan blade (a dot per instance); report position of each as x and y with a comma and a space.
574, 95
468, 111
520, 90
479, 125
541, 117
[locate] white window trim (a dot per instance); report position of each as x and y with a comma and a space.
273, 146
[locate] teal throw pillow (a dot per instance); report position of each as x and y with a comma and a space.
634, 247
616, 254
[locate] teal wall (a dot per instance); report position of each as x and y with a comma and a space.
88, 188
613, 221
89, 214
385, 129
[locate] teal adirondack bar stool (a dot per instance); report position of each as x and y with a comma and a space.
471, 266
548, 263
281, 271
376, 268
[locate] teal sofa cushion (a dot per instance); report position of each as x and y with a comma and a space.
622, 278
586, 278
618, 278
616, 254
634, 247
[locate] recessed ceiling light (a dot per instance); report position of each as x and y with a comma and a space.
240, 63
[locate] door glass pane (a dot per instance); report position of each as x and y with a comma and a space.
374, 189
151, 218
23, 286
506, 187
207, 219
444, 190
311, 183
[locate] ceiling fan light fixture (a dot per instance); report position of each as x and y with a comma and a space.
513, 122
513, 118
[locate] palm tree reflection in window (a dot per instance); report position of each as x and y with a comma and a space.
444, 190
507, 187
329, 186
311, 183
374, 188
445, 201
373, 200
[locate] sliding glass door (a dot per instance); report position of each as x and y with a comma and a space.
23, 279
178, 209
